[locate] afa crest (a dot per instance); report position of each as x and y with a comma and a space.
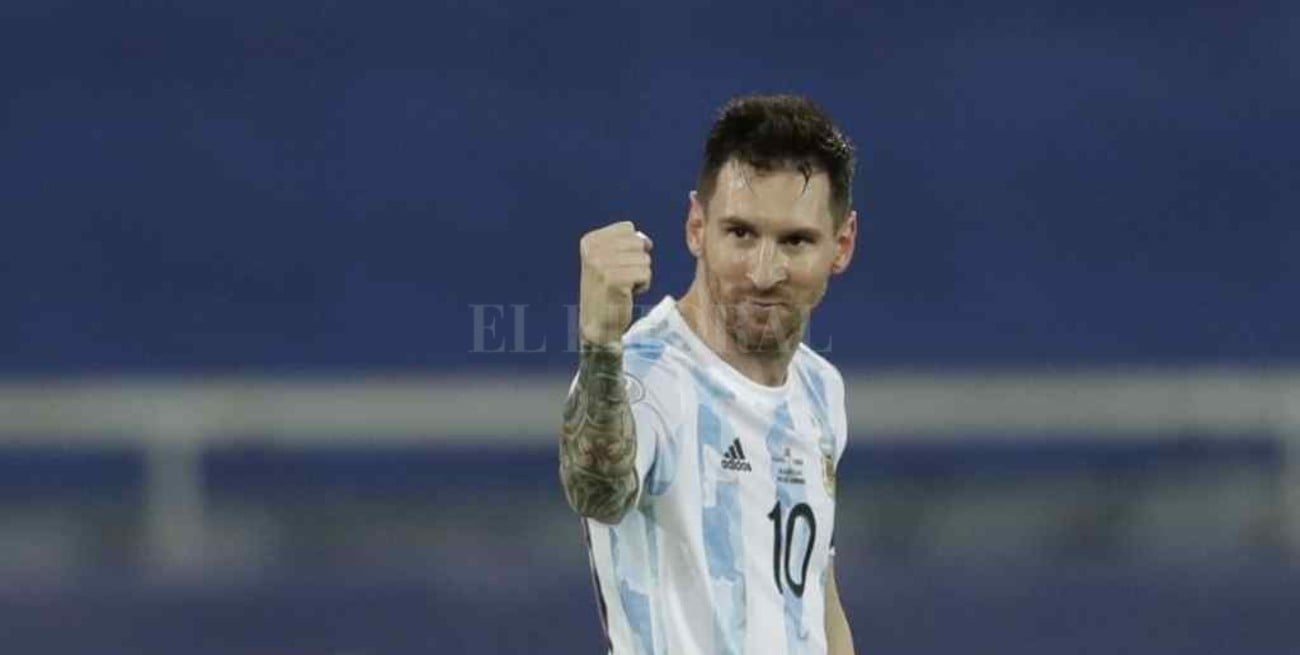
828, 475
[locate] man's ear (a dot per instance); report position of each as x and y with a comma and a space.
845, 240
695, 226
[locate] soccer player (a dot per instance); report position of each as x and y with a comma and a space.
701, 443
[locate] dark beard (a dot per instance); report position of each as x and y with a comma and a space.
780, 334
774, 337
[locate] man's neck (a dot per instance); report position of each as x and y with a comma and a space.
700, 314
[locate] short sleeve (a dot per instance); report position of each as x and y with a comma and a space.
839, 413
653, 395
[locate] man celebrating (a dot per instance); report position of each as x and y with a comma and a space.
701, 445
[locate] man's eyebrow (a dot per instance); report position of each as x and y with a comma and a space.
736, 220
811, 234
805, 233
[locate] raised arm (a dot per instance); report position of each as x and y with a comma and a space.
598, 442
598, 438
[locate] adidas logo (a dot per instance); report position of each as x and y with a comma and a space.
734, 458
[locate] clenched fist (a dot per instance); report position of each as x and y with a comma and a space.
615, 266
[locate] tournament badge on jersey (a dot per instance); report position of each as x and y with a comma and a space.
828, 474
634, 387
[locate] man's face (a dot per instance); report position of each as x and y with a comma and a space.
767, 245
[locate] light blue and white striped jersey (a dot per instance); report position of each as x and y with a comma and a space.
727, 548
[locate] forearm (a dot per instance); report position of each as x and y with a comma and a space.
598, 441
839, 638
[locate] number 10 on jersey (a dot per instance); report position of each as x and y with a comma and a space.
781, 547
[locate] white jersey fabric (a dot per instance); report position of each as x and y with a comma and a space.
727, 547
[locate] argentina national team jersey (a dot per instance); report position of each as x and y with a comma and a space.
727, 547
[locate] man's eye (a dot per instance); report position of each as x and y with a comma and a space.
739, 232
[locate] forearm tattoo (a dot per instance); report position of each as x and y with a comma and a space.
598, 442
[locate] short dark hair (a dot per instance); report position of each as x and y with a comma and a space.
780, 132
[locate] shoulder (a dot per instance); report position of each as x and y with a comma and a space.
818, 368
825, 385
654, 365
652, 344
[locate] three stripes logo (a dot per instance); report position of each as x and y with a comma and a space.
734, 458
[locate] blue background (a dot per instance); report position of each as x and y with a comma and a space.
334, 185
323, 188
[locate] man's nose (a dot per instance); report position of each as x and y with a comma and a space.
768, 267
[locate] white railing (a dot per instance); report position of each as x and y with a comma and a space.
173, 420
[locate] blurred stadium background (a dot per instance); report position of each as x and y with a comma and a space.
286, 290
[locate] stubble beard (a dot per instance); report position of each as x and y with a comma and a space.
779, 334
